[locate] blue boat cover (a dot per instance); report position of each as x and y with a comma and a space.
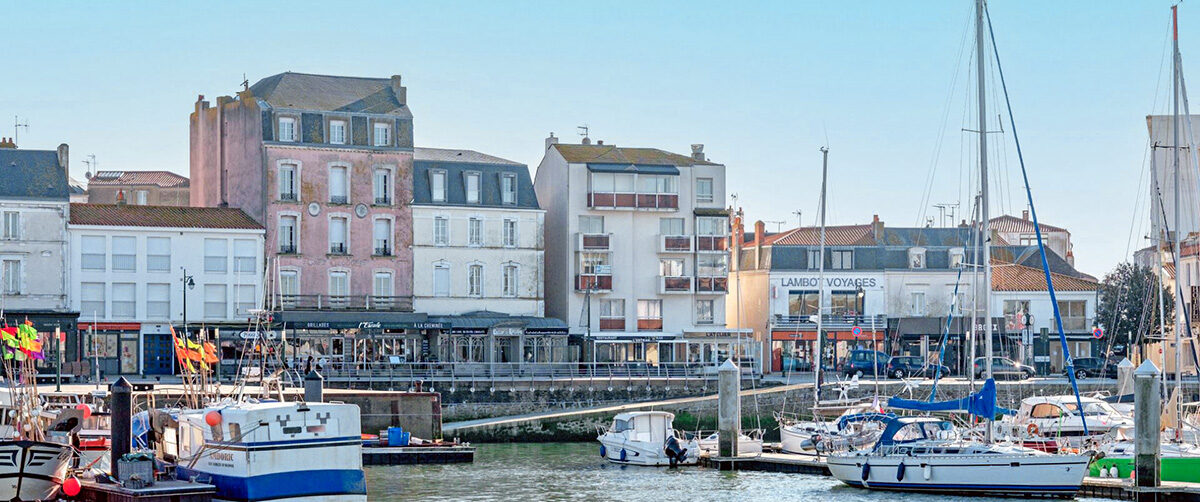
981, 404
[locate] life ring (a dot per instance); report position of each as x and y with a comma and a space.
1033, 430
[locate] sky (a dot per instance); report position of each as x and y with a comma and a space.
886, 85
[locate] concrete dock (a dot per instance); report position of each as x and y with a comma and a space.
407, 455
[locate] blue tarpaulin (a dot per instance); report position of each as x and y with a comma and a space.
981, 404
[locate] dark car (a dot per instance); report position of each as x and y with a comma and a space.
1094, 367
1003, 367
865, 363
904, 366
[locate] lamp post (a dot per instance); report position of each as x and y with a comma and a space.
188, 283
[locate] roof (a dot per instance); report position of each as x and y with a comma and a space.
843, 235
1011, 224
124, 215
32, 174
612, 154
456, 155
163, 179
631, 414
305, 91
456, 163
1012, 277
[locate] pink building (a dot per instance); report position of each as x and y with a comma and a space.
324, 163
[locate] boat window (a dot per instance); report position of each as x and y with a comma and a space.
1096, 408
235, 432
933, 430
621, 425
910, 432
1045, 410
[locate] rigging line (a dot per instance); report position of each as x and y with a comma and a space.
1178, 288
938, 143
1195, 162
1062, 337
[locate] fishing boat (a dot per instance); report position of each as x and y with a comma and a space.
647, 438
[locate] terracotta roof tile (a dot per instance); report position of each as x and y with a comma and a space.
1012, 277
165, 179
161, 216
1012, 224
841, 235
612, 154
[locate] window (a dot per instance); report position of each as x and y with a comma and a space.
383, 186
382, 286
712, 265
649, 315
339, 284
670, 267
1028, 240
215, 301
602, 182
243, 299
843, 259
215, 255
124, 300
124, 254
441, 231
957, 257
441, 280
383, 134
917, 306
383, 237
961, 305
1045, 410
591, 224
704, 189
91, 299
287, 129
1074, 314
289, 282
12, 277
802, 303
1016, 315
510, 233
12, 225
437, 185
708, 225
92, 255
649, 184
814, 258
337, 185
475, 280
843, 302
287, 234
670, 226
244, 257
612, 309
338, 237
337, 132
594, 264
140, 197
287, 182
475, 232
158, 254
158, 301
916, 258
510, 281
508, 188
472, 186
704, 311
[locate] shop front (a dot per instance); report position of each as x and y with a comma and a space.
922, 337
108, 347
794, 349
339, 344
47, 324
690, 352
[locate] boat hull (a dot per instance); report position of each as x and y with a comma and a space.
645, 453
999, 475
32, 470
1183, 469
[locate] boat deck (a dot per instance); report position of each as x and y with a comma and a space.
407, 455
160, 491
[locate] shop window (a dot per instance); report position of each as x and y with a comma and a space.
803, 303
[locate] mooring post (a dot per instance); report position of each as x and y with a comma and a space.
122, 418
314, 387
729, 408
1146, 411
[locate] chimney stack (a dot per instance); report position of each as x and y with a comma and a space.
586, 141
876, 225
7, 143
760, 230
551, 140
1024, 214
120, 197
400, 91
64, 159
698, 151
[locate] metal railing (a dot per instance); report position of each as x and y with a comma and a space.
337, 248
287, 196
384, 250
830, 321
484, 374
383, 201
346, 302
338, 199
287, 248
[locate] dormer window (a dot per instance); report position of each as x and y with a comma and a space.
337, 132
383, 134
957, 257
916, 258
472, 186
437, 185
508, 189
287, 129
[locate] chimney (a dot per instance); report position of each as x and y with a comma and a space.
400, 91
201, 104
7, 143
760, 230
876, 226
64, 159
551, 140
698, 151
120, 197
1025, 214
586, 141
738, 236
599, 142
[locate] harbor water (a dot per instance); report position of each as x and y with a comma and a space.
575, 471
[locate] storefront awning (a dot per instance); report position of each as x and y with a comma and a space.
43, 320
480, 323
355, 320
935, 326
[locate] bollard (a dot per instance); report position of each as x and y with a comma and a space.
314, 387
729, 409
1146, 411
122, 418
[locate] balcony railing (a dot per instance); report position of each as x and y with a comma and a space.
714, 284
649, 324
674, 284
830, 322
594, 282
674, 244
337, 248
383, 201
710, 243
287, 249
338, 199
612, 324
288, 196
384, 250
482, 376
593, 242
615, 200
346, 302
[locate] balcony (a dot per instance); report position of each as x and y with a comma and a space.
288, 196
337, 248
674, 244
346, 302
593, 242
669, 284
714, 284
618, 200
612, 324
649, 324
831, 322
383, 250
594, 282
287, 248
383, 201
339, 199
710, 243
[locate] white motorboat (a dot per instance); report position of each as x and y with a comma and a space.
647, 438
923, 454
748, 444
1058, 417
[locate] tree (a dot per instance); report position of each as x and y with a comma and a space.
1128, 309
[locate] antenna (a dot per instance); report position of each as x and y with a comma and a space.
583, 130
17, 125
778, 224
245, 83
91, 163
799, 217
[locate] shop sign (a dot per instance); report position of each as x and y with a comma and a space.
831, 282
369, 325
254, 335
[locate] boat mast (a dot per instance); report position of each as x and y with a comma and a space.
1179, 322
821, 282
983, 204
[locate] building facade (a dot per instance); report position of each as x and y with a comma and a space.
142, 188
635, 253
138, 270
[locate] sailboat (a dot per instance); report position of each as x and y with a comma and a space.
941, 459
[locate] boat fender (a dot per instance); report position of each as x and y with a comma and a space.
928, 472
900, 472
623, 455
603, 451
866, 472
1114, 472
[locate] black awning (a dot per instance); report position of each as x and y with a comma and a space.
633, 168
43, 321
354, 320
917, 326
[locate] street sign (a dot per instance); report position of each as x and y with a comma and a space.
856, 331
1098, 332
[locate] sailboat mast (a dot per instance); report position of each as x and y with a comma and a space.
821, 281
1179, 322
985, 224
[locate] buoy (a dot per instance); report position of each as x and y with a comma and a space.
900, 472
71, 486
212, 418
87, 410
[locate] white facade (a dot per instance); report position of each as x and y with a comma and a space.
1162, 139
510, 269
33, 250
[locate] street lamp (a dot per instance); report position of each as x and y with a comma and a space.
188, 283
859, 295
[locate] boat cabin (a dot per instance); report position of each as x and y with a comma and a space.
902, 430
647, 426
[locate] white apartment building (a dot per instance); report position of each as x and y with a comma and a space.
477, 235
636, 252
133, 266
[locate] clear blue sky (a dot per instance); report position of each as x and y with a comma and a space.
762, 85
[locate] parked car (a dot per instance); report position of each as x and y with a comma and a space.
1094, 367
865, 363
1003, 367
797, 364
904, 366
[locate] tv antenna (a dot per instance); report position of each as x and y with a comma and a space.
946, 209
245, 83
90, 161
17, 125
799, 217
583, 130
778, 224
